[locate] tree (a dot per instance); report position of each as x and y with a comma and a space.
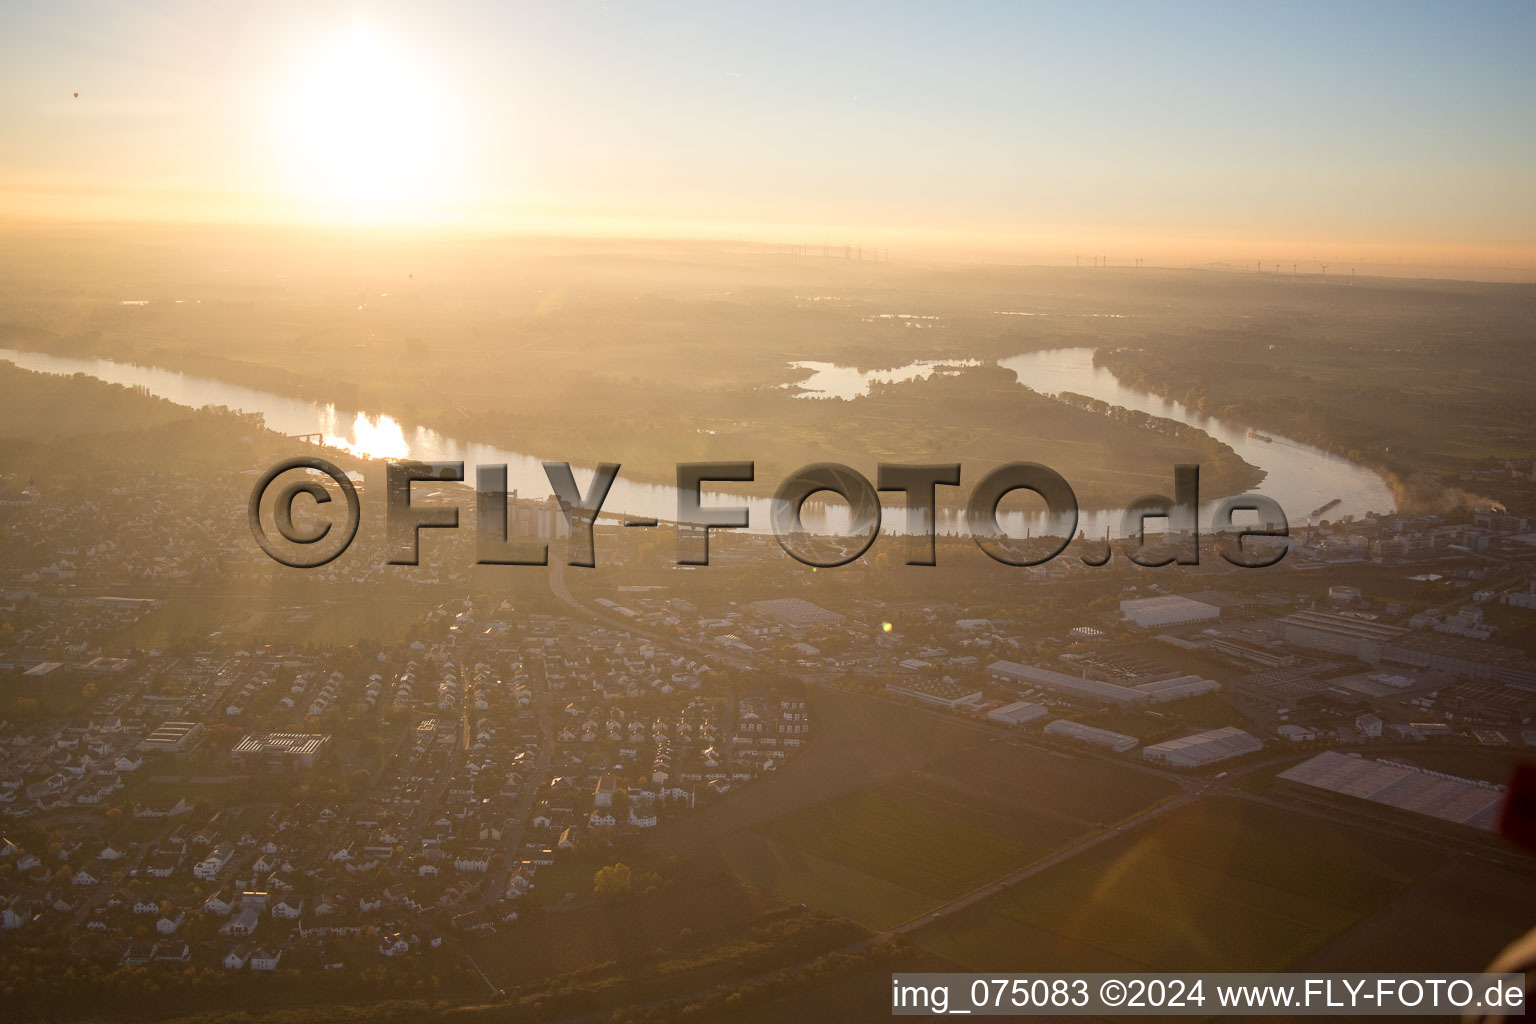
612, 882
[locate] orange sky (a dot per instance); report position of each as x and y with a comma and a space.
1399, 141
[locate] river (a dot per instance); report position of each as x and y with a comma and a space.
1300, 477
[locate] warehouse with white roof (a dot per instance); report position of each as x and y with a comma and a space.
1092, 735
1167, 610
1161, 691
1464, 801
1071, 687
1204, 748
1017, 713
1082, 689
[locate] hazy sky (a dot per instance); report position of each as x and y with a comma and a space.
1391, 132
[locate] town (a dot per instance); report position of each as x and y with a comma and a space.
320, 807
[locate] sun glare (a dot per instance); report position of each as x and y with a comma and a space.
365, 127
372, 437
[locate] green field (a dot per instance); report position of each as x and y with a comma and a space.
1218, 885
696, 933
1044, 798
937, 855
1457, 919
894, 850
870, 858
241, 616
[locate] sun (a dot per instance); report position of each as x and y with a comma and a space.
363, 125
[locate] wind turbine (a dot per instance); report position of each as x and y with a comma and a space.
1323, 276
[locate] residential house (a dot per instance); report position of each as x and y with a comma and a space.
265, 959
241, 924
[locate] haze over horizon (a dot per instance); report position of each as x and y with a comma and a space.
1359, 136
531, 513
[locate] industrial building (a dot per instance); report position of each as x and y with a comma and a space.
1231, 606
1281, 689
1340, 634
795, 613
1204, 748
1460, 656
1464, 801
279, 751
1246, 652
1078, 688
1161, 691
1167, 610
933, 691
172, 737
1011, 673
1017, 713
1091, 735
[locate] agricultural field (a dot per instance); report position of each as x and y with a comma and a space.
901, 847
1457, 918
692, 934
871, 859
347, 616
1219, 885
1046, 799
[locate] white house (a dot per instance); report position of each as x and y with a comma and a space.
211, 866
473, 860
241, 924
288, 909
220, 903
266, 960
